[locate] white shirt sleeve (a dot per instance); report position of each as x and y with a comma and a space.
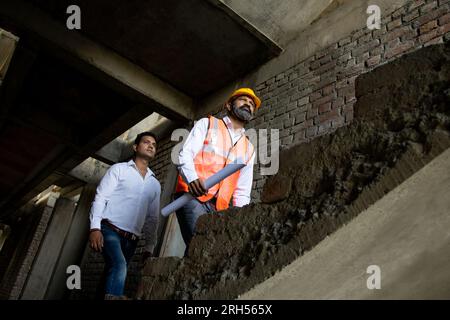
150, 228
241, 195
191, 147
102, 196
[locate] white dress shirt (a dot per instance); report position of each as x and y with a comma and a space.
194, 144
129, 201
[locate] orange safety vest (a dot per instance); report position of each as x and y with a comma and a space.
218, 151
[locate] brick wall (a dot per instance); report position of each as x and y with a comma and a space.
24, 241
316, 96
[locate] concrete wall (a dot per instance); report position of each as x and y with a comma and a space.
49, 251
73, 245
406, 234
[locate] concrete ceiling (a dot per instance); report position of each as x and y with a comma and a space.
196, 46
282, 20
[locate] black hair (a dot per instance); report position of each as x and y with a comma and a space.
144, 134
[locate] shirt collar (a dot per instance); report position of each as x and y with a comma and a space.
229, 125
131, 163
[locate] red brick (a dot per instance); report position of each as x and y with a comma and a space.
394, 24
338, 102
415, 4
312, 113
324, 68
444, 29
428, 7
322, 101
333, 114
444, 20
427, 27
411, 16
434, 41
325, 108
328, 89
314, 65
393, 44
401, 48
345, 41
430, 16
377, 51
397, 33
348, 108
435, 33
399, 12
373, 61
315, 95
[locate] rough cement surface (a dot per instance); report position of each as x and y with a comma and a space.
402, 121
406, 234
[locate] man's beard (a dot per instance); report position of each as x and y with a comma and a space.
244, 114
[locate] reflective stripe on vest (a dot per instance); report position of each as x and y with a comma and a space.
216, 153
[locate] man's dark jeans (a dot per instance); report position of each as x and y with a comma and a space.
117, 252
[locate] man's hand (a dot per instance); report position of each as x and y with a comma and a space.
96, 240
197, 188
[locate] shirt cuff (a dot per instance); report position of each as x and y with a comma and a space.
241, 201
96, 223
189, 174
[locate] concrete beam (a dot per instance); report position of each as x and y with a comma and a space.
127, 75
89, 171
8, 44
274, 48
74, 245
47, 257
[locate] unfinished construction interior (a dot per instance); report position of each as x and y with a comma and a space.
363, 120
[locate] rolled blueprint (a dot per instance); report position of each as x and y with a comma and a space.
211, 181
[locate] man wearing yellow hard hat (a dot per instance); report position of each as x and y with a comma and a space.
210, 146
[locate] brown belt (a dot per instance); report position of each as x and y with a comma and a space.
122, 233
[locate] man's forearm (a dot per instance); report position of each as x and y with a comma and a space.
96, 214
188, 172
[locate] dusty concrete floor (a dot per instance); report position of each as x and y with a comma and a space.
406, 233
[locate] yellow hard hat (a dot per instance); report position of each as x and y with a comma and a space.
246, 92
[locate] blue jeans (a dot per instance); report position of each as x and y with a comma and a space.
187, 217
117, 252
